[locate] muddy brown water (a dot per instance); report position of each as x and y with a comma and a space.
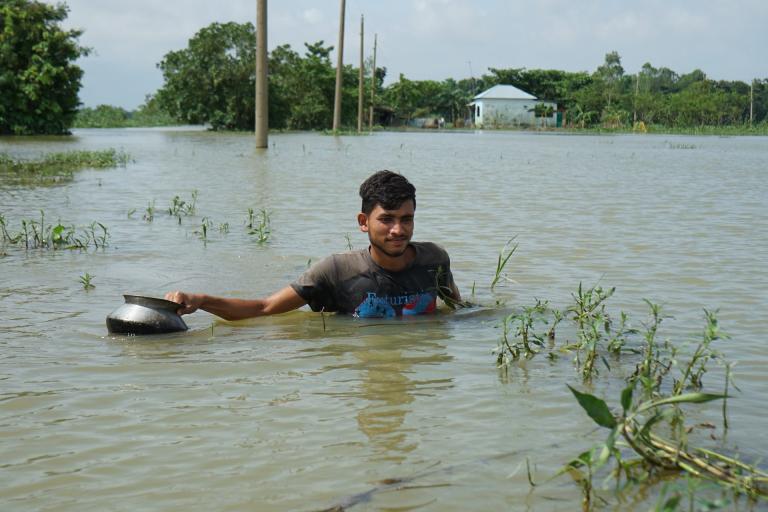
282, 414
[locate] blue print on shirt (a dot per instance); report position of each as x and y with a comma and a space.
387, 306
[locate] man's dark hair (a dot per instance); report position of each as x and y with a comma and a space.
388, 189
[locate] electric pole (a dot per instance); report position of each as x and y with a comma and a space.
373, 83
360, 81
339, 67
262, 88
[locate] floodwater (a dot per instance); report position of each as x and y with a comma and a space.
300, 412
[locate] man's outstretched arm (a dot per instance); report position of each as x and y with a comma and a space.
237, 309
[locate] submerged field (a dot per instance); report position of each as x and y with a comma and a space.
303, 412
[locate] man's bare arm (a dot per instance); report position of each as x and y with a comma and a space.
237, 309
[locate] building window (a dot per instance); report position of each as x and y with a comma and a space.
477, 114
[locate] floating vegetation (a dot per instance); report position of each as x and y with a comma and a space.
56, 167
259, 225
36, 234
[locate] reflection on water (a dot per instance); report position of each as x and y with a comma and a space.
293, 412
383, 387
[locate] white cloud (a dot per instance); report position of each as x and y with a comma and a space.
313, 16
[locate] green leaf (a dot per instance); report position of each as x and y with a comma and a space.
596, 408
692, 398
626, 397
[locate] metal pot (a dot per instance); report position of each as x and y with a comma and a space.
145, 315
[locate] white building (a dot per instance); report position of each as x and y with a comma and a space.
506, 105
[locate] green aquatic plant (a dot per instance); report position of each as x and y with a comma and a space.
180, 207
520, 327
149, 213
504, 256
60, 166
259, 227
85, 280
36, 234
649, 437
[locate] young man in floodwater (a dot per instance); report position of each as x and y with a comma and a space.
392, 277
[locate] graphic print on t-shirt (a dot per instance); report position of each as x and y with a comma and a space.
388, 306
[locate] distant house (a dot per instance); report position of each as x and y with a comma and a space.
506, 105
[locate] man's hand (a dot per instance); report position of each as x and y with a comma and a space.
190, 302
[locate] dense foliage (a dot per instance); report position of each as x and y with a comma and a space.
108, 116
608, 97
212, 82
38, 79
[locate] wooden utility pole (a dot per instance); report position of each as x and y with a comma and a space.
262, 89
634, 103
373, 84
339, 68
360, 81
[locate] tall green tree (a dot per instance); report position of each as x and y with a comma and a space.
39, 81
213, 79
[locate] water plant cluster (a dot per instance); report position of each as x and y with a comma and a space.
59, 166
648, 438
36, 234
257, 222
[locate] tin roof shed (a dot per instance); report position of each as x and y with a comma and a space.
504, 92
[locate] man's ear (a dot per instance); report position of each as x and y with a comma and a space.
362, 221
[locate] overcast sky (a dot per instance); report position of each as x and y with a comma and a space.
433, 39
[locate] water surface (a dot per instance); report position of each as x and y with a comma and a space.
286, 414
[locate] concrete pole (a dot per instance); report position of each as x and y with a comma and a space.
373, 83
360, 81
339, 67
262, 88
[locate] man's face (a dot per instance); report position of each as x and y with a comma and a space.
389, 231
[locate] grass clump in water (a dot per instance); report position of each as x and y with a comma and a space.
650, 439
54, 167
36, 234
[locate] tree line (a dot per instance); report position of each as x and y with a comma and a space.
212, 82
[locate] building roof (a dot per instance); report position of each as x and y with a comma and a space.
505, 92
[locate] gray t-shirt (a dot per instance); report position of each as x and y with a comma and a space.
352, 282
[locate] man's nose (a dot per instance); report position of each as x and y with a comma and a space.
397, 228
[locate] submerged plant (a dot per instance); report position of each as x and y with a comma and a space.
634, 441
524, 340
179, 207
260, 227
54, 167
504, 256
149, 213
85, 280
36, 234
